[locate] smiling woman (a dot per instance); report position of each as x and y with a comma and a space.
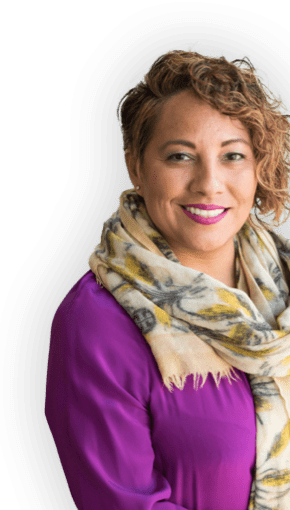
207, 177
185, 283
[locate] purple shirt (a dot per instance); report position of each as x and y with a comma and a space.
125, 442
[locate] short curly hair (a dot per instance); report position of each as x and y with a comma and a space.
232, 90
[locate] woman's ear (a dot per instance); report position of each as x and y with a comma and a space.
133, 168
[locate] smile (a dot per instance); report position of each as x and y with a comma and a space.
205, 221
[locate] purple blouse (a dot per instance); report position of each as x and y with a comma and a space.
124, 441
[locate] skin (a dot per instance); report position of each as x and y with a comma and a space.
208, 174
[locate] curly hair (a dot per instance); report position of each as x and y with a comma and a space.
234, 91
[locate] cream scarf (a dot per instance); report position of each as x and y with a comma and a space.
195, 324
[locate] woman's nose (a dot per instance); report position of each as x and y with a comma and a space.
207, 178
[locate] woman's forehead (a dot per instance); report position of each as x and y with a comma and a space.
185, 115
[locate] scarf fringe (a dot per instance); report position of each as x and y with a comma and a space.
180, 380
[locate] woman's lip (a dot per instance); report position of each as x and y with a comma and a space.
206, 207
203, 220
222, 208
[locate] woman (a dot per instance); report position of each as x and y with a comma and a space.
185, 281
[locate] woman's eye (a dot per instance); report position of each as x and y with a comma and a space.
236, 154
178, 156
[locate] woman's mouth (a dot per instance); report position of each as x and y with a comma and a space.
209, 220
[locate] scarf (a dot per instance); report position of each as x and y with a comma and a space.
195, 324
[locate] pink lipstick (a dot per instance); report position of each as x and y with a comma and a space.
205, 207
202, 219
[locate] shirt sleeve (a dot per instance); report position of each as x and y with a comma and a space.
97, 412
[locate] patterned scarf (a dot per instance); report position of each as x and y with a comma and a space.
195, 324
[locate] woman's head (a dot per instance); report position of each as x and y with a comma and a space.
229, 89
197, 158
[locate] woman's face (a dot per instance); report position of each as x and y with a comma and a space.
189, 162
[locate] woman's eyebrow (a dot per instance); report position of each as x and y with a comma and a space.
192, 145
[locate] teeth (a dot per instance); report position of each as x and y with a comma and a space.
205, 214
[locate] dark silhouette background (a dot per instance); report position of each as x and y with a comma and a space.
97, 177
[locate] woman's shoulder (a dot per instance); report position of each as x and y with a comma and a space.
89, 300
90, 324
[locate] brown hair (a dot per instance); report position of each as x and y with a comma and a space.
233, 91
